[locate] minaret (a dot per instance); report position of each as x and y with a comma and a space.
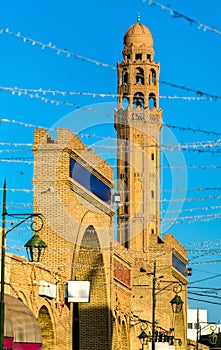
138, 122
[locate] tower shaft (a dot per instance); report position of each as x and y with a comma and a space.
138, 122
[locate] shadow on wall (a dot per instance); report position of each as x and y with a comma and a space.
92, 328
92, 323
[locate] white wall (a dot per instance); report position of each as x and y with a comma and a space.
192, 323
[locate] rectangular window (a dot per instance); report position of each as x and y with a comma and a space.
152, 156
152, 194
189, 325
179, 265
89, 181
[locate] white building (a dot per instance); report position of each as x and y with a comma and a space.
199, 316
192, 323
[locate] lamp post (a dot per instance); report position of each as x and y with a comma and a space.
176, 302
212, 336
41, 244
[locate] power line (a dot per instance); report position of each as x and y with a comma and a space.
204, 301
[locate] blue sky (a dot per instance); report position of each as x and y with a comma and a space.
189, 57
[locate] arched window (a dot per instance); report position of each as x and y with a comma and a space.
124, 77
46, 325
139, 76
138, 100
152, 101
125, 100
152, 77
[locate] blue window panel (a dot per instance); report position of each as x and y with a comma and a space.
89, 181
179, 265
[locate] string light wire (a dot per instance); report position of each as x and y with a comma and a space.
176, 14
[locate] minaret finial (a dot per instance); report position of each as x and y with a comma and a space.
138, 17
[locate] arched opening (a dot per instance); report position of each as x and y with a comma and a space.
152, 76
93, 317
139, 76
125, 100
115, 337
124, 337
152, 101
138, 100
124, 77
46, 326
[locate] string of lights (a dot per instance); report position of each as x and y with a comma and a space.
205, 167
52, 46
182, 87
206, 243
181, 146
181, 128
208, 261
34, 93
68, 54
176, 14
187, 217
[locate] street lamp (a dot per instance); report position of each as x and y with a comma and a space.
35, 246
212, 336
176, 302
23, 218
143, 338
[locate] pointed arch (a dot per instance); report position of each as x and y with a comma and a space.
152, 76
152, 101
139, 75
124, 77
93, 317
115, 338
125, 99
47, 331
124, 337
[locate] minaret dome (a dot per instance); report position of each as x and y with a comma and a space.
138, 34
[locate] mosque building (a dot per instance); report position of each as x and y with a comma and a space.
126, 283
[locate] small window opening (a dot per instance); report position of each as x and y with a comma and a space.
152, 194
153, 76
125, 101
152, 101
128, 57
152, 231
139, 76
149, 57
124, 77
152, 156
138, 100
138, 56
